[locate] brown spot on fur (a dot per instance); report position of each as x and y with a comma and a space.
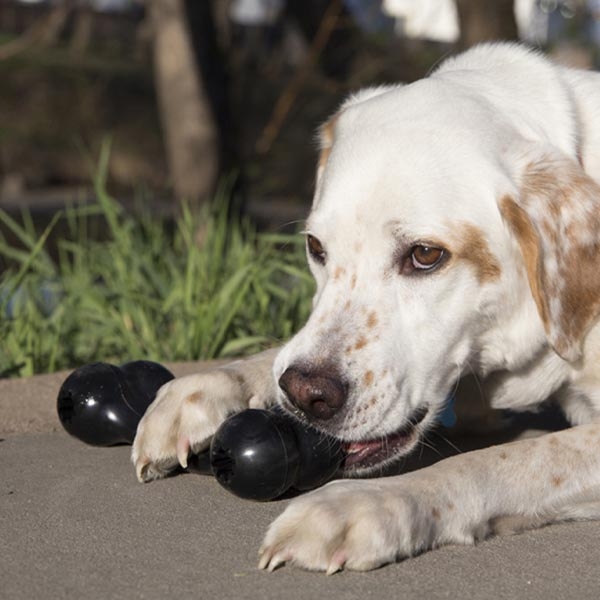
372, 319
527, 239
338, 272
194, 398
368, 378
474, 248
327, 136
324, 157
450, 506
372, 401
361, 343
353, 281
435, 513
559, 220
503, 455
556, 480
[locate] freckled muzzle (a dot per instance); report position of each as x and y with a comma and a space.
320, 394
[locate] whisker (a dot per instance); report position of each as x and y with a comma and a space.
457, 378
451, 444
481, 395
425, 443
288, 223
422, 444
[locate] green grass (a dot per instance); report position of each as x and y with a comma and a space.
146, 290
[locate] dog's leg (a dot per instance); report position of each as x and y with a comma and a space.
364, 524
187, 411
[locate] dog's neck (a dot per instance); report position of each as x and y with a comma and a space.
515, 360
514, 342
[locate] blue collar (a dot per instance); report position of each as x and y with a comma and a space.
447, 418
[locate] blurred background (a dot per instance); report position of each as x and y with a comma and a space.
192, 92
170, 120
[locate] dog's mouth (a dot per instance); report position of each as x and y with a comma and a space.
364, 455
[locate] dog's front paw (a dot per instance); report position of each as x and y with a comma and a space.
182, 419
357, 525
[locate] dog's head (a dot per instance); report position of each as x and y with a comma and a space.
440, 241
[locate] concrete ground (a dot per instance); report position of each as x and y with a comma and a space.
74, 523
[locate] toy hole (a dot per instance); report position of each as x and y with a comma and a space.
66, 407
223, 465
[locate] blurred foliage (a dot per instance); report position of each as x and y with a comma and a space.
202, 288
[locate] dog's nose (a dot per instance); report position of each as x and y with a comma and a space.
319, 393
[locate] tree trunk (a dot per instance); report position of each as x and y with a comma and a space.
55, 23
82, 31
187, 119
486, 20
212, 69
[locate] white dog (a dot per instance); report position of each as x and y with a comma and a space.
455, 229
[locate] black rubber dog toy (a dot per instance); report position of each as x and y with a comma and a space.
102, 404
256, 454
261, 454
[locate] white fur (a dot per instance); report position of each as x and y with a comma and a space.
410, 164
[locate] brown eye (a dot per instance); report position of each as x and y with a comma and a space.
315, 249
426, 257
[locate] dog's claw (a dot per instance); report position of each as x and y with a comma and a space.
276, 561
264, 560
337, 563
147, 470
141, 466
183, 450
270, 560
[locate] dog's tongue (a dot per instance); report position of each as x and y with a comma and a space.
352, 447
358, 451
370, 452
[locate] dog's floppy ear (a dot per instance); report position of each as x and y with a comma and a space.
556, 221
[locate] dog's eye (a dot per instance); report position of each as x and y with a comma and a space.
315, 249
425, 257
